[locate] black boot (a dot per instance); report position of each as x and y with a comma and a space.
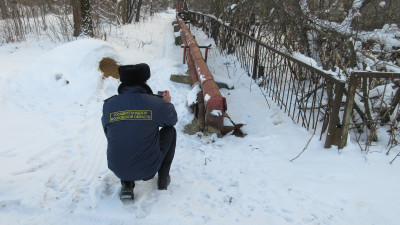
127, 190
163, 182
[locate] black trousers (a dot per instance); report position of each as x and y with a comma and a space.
167, 148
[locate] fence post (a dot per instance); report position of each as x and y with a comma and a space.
348, 110
184, 54
206, 53
255, 64
334, 129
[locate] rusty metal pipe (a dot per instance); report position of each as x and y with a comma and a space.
186, 55
215, 103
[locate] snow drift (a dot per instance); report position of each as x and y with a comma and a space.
69, 72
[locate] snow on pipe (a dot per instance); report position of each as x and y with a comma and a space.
215, 103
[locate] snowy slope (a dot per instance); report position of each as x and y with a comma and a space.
53, 151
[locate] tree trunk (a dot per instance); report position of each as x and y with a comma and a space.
130, 8
76, 14
215, 8
126, 11
87, 24
222, 10
4, 14
17, 21
185, 5
121, 12
138, 10
151, 8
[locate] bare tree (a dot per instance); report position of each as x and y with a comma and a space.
139, 6
87, 24
130, 10
151, 8
126, 11
53, 18
82, 17
76, 14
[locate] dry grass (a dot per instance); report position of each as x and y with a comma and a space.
109, 67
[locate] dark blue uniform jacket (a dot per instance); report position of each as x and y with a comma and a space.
131, 122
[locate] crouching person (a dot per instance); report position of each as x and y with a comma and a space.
137, 148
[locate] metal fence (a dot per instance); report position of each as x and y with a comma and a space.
308, 95
375, 104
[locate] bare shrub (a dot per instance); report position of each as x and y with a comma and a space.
21, 18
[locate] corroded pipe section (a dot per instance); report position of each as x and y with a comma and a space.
190, 62
215, 103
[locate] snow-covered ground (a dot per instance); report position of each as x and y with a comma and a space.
53, 151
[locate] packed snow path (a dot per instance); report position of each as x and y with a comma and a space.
53, 150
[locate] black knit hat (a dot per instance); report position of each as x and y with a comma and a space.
132, 74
